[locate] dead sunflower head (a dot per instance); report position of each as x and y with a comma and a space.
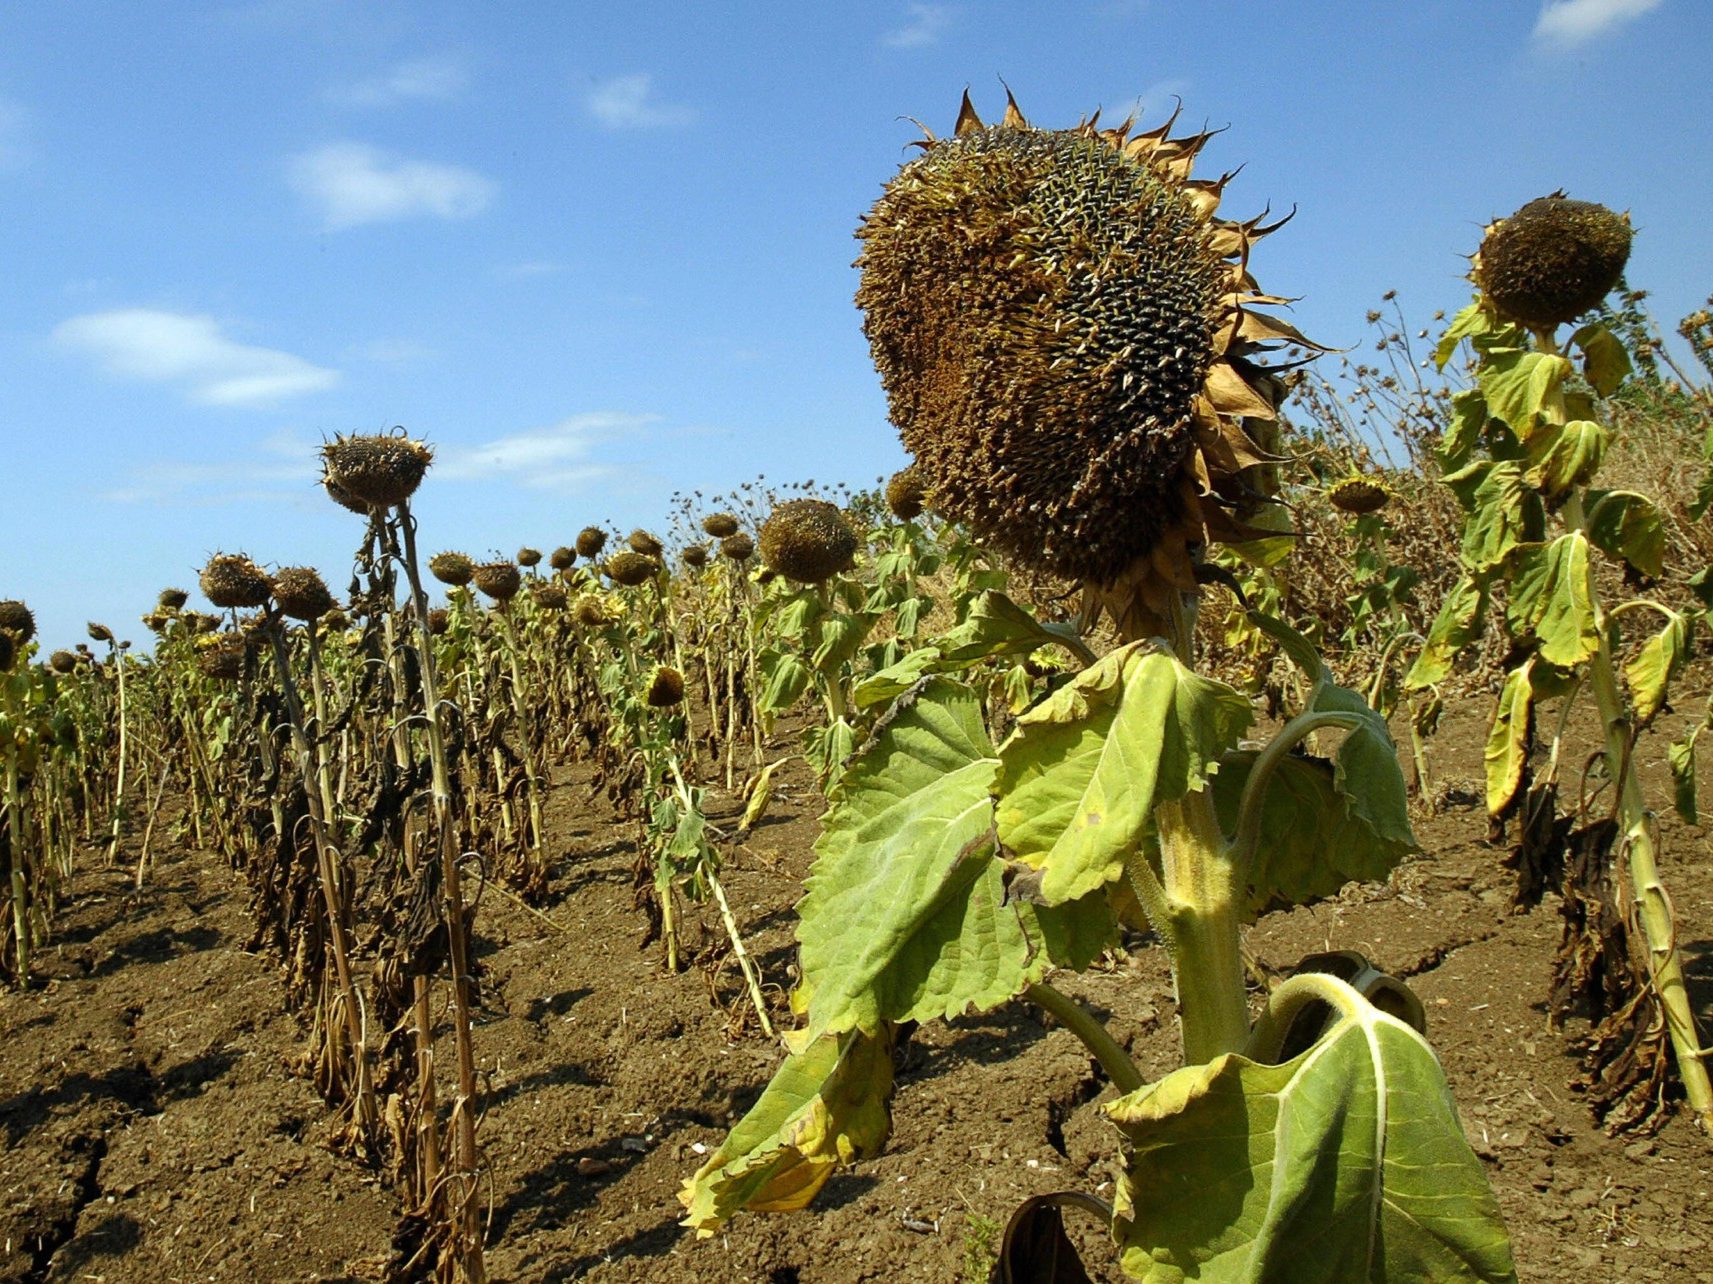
591, 540
527, 556
720, 525
1063, 327
738, 546
1552, 260
562, 558
16, 619
379, 470
233, 580
439, 620
302, 593
221, 656
665, 688
808, 540
451, 568
499, 580
62, 662
906, 496
642, 542
1358, 495
631, 568
695, 556
99, 632
549, 597
172, 599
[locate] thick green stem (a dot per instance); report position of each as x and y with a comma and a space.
1205, 905
1095, 1036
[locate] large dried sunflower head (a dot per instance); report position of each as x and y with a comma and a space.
16, 619
631, 568
499, 580
302, 593
379, 470
1552, 260
1063, 327
233, 580
451, 568
808, 540
665, 688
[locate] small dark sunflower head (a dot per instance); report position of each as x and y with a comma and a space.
233, 581
62, 662
590, 541
16, 619
695, 556
301, 593
335, 621
550, 597
720, 525
527, 556
173, 599
499, 580
739, 547
642, 542
222, 658
589, 612
439, 619
1552, 261
378, 471
906, 496
562, 558
665, 688
99, 632
808, 540
1358, 495
631, 568
451, 568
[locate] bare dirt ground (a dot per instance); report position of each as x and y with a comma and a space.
153, 1131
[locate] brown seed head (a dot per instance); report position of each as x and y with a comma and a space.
1552, 260
642, 542
1358, 495
591, 540
451, 568
302, 593
173, 599
62, 662
739, 547
808, 540
590, 614
695, 556
499, 580
15, 618
720, 525
223, 659
550, 597
665, 688
527, 556
631, 568
906, 496
231, 580
99, 632
439, 618
380, 470
562, 558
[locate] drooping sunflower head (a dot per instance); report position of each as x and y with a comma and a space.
665, 688
172, 599
738, 546
233, 580
377, 470
99, 632
695, 556
527, 556
62, 662
17, 619
720, 525
549, 597
1552, 260
591, 540
221, 656
808, 540
452, 568
644, 542
906, 494
439, 620
499, 580
1357, 495
1063, 327
302, 593
562, 558
631, 568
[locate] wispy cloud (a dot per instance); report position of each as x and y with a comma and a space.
393, 352
284, 466
353, 183
629, 102
528, 269
193, 352
416, 80
1574, 22
924, 24
14, 136
556, 455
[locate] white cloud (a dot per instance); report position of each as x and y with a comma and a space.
628, 102
924, 26
354, 184
192, 351
556, 455
1571, 22
415, 80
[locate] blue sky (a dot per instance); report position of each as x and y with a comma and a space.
596, 253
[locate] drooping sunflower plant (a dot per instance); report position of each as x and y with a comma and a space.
1066, 330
